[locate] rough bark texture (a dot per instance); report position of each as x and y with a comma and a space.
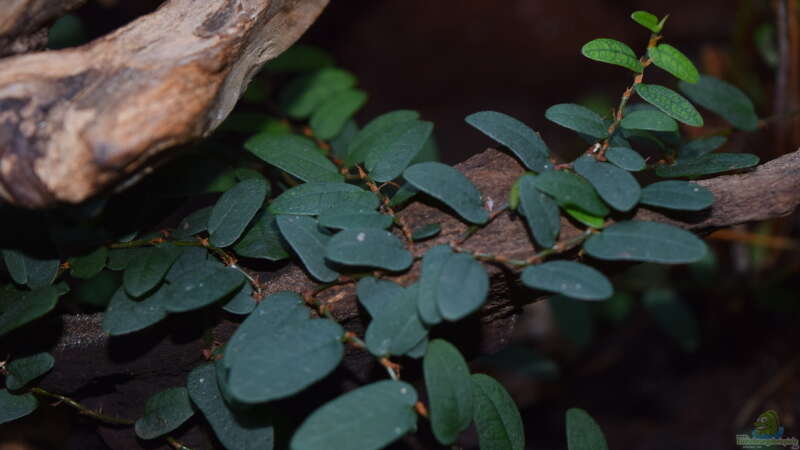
23, 23
78, 121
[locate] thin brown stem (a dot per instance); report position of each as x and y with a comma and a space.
82, 409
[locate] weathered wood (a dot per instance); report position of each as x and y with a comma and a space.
78, 121
23, 23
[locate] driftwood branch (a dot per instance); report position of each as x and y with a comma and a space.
78, 121
23, 23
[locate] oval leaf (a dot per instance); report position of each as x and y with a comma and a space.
708, 165
426, 232
234, 210
199, 288
647, 20
526, 144
585, 218
449, 186
724, 99
376, 294
30, 271
673, 61
17, 308
540, 211
625, 158
164, 412
671, 103
571, 190
649, 119
612, 52
24, 370
303, 95
396, 328
496, 416
374, 134
699, 147
125, 315
13, 407
88, 265
295, 155
329, 119
578, 118
681, 195
262, 240
309, 243
146, 270
646, 241
368, 248
311, 199
616, 186
583, 433
463, 287
449, 387
344, 220
568, 278
433, 264
397, 147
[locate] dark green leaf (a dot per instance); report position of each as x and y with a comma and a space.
646, 241
419, 350
329, 119
374, 134
426, 232
305, 94
146, 270
313, 198
707, 165
234, 211
524, 142
397, 147
625, 158
88, 265
571, 190
616, 186
196, 289
433, 265
308, 242
647, 20
671, 103
724, 99
568, 278
24, 370
28, 270
13, 407
125, 315
17, 308
262, 240
522, 359
97, 291
369, 248
701, 146
164, 412
449, 387
449, 186
375, 294
403, 195
612, 52
574, 320
342, 141
463, 287
343, 220
540, 211
294, 154
396, 327
119, 258
384, 414
681, 195
250, 429
673, 316
496, 416
673, 61
649, 119
300, 58
583, 433
253, 122
578, 118
585, 218
242, 302
277, 365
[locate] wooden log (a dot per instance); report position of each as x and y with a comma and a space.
23, 23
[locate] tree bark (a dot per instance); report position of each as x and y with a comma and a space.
23, 23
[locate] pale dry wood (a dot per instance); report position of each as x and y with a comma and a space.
78, 121
23, 23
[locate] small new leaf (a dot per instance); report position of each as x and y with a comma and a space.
647, 20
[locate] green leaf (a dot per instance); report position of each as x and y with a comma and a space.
329, 119
578, 118
119, 258
13, 407
673, 61
708, 164
342, 141
250, 123
526, 144
374, 135
568, 278
24, 370
625, 158
300, 58
125, 315
649, 119
571, 190
309, 243
646, 241
311, 199
164, 412
583, 433
146, 270
17, 308
343, 220
242, 302
574, 320
376, 294
449, 186
303, 95
496, 416
540, 211
724, 99
250, 429
671, 103
368, 247
200, 288
449, 387
463, 287
397, 147
234, 211
616, 186
673, 317
396, 327
262, 240
585, 218
30, 271
426, 232
295, 155
370, 417
523, 360
647, 20
612, 52
699, 147
681, 195
276, 365
88, 265
433, 265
